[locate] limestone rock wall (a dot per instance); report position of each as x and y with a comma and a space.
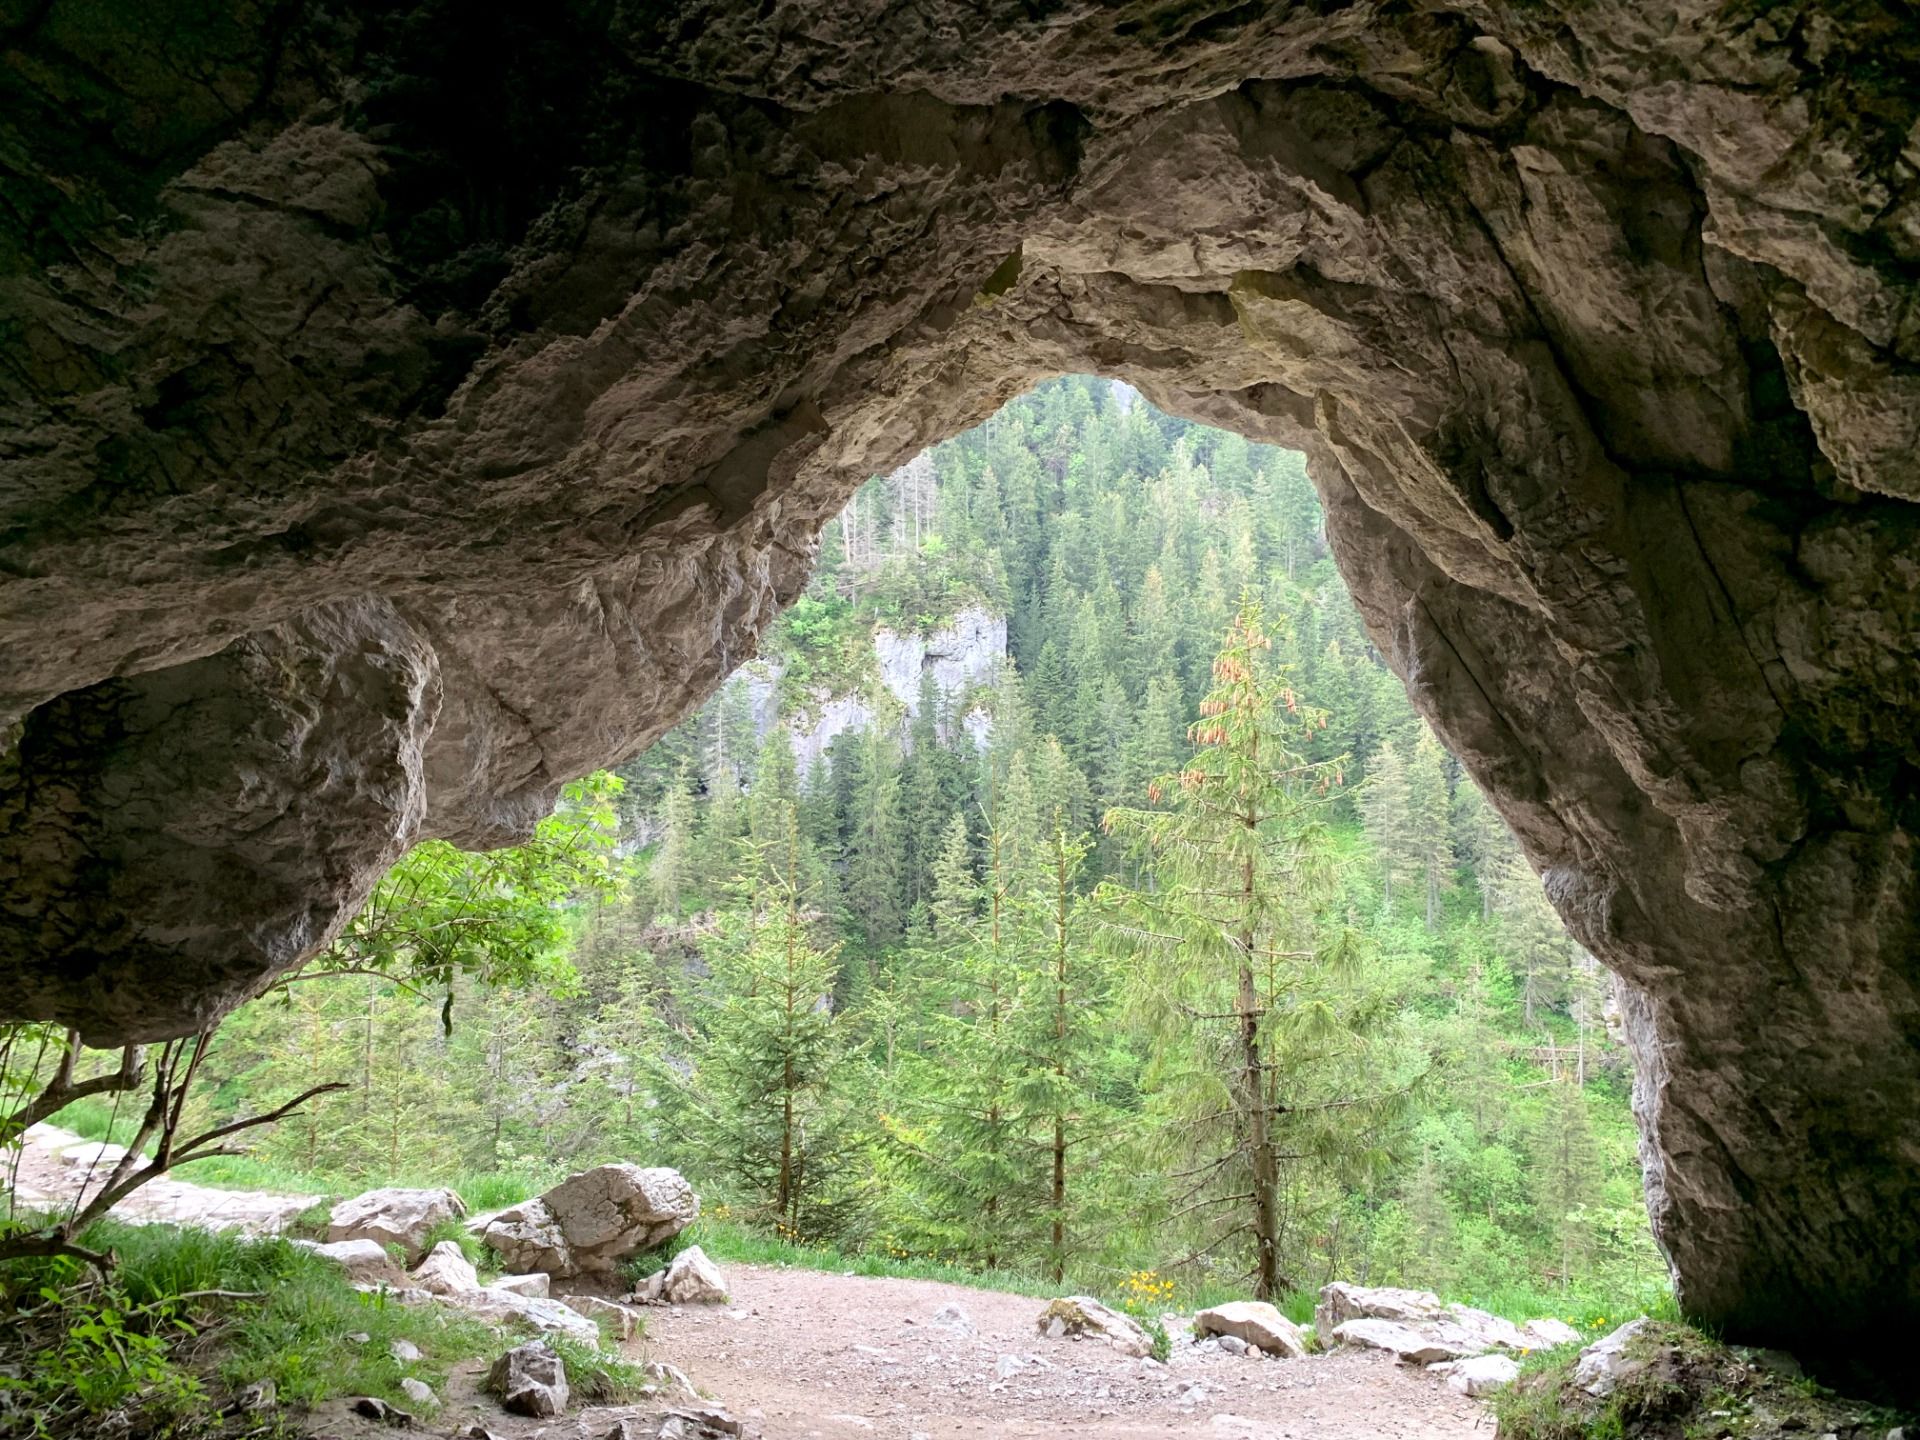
408, 408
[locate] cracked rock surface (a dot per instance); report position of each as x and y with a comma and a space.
409, 408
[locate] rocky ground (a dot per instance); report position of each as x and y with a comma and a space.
55, 1167
804, 1354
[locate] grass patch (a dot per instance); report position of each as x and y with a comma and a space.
456, 1230
1676, 1383
149, 1342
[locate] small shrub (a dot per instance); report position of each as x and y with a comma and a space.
600, 1377
1157, 1333
456, 1230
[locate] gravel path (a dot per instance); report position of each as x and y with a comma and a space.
844, 1357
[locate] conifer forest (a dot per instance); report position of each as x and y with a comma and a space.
1067, 890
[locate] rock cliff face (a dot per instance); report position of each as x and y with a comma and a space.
410, 407
964, 652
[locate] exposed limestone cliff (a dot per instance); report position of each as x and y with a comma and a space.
410, 408
965, 652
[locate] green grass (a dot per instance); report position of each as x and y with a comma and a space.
298, 1332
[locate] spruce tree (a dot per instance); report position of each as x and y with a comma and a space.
1245, 983
1386, 807
772, 1074
1430, 841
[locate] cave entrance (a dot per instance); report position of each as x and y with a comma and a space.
1033, 609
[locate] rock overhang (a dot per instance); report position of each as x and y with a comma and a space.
435, 417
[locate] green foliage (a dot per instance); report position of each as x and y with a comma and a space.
1276, 1061
495, 916
952, 1115
266, 1309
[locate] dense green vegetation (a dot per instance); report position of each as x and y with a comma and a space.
1179, 954
187, 1317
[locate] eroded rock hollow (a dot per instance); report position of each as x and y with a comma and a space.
408, 408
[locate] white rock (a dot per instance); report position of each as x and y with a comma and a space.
405, 1351
1084, 1315
1599, 1366
530, 1380
545, 1317
536, 1285
1405, 1341
446, 1271
394, 1217
1256, 1323
625, 1322
1479, 1375
693, 1279
420, 1393
1549, 1334
364, 1261
591, 1221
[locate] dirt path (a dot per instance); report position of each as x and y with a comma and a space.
844, 1357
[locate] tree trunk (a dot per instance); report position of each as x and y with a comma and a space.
1266, 1170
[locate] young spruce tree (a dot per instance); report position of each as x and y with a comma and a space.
1259, 1010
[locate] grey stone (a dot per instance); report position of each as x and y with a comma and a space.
394, 1216
420, 1393
1598, 330
591, 1221
405, 1351
446, 1271
1254, 1323
530, 1380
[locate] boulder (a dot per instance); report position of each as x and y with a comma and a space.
530, 1380
394, 1217
625, 1322
1341, 1302
543, 1316
1409, 1343
1479, 1375
1255, 1323
446, 1271
1082, 1315
536, 1285
1549, 1334
365, 1262
590, 1222
1602, 1363
693, 1279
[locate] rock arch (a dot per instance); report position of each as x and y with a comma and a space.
411, 408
